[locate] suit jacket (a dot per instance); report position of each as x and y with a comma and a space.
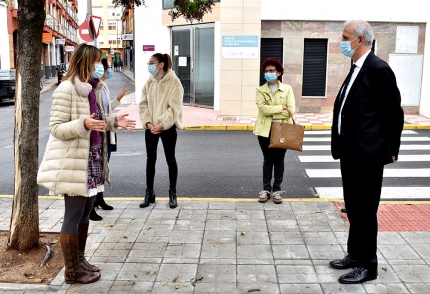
372, 118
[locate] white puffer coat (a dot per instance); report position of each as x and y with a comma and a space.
64, 168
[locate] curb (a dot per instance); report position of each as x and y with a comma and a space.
128, 78
251, 127
213, 199
48, 88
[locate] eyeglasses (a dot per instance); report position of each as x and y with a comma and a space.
270, 70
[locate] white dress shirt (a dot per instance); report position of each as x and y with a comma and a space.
359, 65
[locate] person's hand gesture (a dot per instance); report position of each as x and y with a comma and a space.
156, 129
125, 123
121, 94
94, 124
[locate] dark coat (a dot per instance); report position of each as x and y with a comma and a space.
372, 118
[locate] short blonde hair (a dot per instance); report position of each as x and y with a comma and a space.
82, 61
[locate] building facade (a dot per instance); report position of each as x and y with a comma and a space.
59, 34
111, 29
219, 60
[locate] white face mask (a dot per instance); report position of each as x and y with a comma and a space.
99, 72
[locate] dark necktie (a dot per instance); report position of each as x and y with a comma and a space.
348, 79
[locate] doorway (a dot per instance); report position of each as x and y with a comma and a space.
193, 62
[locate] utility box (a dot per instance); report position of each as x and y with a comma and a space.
7, 84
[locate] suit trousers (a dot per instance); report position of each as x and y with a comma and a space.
362, 184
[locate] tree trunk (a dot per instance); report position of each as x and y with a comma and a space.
24, 222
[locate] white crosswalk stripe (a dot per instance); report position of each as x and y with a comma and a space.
407, 179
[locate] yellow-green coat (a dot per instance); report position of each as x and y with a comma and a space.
283, 96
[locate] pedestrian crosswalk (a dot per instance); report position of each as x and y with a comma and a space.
408, 179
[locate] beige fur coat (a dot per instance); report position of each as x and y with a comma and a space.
162, 102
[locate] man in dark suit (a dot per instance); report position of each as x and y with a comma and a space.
365, 136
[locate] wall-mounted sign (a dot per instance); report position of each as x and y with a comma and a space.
60, 41
127, 37
407, 39
69, 48
47, 38
182, 61
240, 47
148, 47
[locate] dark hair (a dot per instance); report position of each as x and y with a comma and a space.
275, 62
105, 63
164, 58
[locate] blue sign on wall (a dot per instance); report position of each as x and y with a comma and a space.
240, 46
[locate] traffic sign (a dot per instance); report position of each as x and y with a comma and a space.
84, 31
95, 22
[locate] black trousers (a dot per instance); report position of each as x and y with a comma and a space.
273, 164
362, 184
168, 138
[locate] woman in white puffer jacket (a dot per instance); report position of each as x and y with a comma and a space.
75, 160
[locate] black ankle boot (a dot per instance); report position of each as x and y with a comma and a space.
172, 198
94, 216
149, 198
101, 202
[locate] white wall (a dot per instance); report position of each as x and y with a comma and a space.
148, 31
4, 45
416, 11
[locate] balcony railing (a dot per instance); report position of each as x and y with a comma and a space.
56, 26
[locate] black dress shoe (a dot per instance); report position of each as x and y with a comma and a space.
343, 210
149, 198
359, 275
345, 263
173, 203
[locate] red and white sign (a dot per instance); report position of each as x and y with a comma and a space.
127, 37
92, 24
84, 31
95, 22
148, 47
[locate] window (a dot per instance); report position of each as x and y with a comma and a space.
111, 25
315, 67
168, 4
114, 11
97, 11
270, 47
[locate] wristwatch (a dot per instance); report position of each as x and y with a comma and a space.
161, 125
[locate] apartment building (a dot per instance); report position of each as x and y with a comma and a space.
59, 34
111, 29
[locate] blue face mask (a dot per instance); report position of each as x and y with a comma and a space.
270, 76
152, 69
99, 72
109, 74
345, 48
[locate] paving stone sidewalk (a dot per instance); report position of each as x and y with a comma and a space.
229, 247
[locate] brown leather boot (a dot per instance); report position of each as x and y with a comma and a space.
73, 272
83, 235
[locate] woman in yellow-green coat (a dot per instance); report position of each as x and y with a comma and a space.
272, 99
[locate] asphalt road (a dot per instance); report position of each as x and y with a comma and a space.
220, 164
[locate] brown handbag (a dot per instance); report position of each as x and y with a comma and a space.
287, 136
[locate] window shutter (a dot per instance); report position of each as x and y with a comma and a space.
314, 67
270, 47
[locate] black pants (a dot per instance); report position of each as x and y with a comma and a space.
168, 138
362, 184
273, 164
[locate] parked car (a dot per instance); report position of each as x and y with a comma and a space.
7, 84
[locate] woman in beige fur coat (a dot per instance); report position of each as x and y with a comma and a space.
75, 160
161, 114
